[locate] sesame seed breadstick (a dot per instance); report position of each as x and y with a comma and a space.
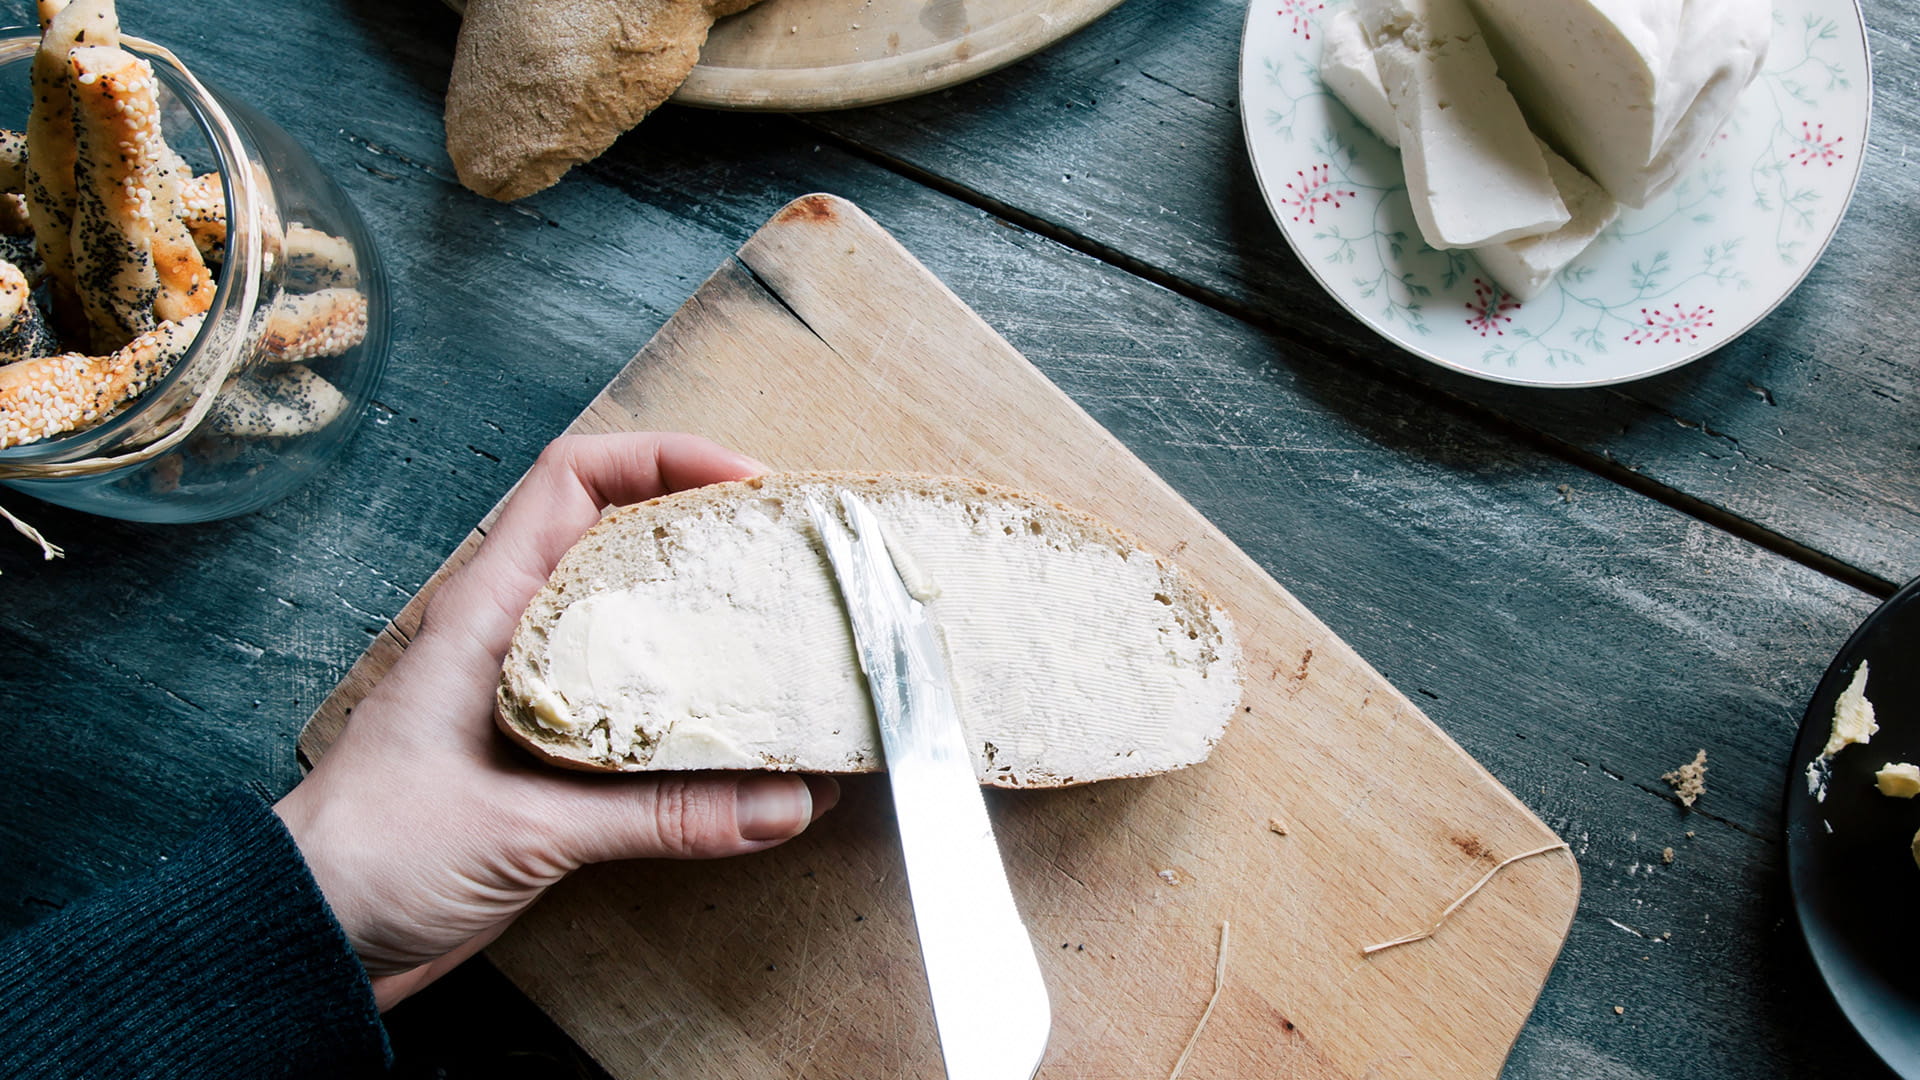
311, 325
50, 142
53, 395
203, 209
23, 330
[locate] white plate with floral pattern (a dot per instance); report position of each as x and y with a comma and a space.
1662, 286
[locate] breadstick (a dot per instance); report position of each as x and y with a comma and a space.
13, 215
50, 142
276, 404
19, 251
203, 208
311, 260
23, 331
308, 326
53, 395
133, 260
13, 161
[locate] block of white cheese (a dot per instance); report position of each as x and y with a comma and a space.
1523, 267
1474, 172
705, 631
1526, 266
1347, 67
1629, 90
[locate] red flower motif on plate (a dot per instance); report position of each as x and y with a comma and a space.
1490, 305
1301, 12
1815, 146
1658, 327
1311, 189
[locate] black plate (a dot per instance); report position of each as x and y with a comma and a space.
1849, 864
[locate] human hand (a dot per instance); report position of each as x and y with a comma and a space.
427, 832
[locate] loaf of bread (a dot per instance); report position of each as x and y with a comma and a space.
705, 630
540, 86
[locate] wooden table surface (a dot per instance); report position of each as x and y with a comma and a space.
1581, 587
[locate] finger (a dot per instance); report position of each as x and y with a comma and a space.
560, 498
681, 816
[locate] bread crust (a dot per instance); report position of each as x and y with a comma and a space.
584, 570
539, 86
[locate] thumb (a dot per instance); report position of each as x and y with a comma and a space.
686, 816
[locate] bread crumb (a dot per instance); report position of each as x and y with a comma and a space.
1619, 1010
1689, 781
1666, 856
1689, 834
1276, 826
1666, 935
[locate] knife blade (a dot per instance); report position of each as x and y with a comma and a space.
989, 1001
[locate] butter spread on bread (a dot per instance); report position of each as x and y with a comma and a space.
705, 630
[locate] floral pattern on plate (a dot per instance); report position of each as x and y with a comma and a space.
1661, 286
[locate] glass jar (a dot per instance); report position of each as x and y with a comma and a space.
242, 419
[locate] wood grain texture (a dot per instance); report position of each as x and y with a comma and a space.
1577, 638
872, 364
1126, 140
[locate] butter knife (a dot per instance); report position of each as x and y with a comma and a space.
989, 1002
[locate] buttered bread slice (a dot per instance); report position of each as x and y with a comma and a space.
704, 630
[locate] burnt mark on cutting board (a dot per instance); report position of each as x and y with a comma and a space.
1472, 846
815, 209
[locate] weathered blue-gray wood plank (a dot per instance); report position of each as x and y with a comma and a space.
1127, 139
1576, 637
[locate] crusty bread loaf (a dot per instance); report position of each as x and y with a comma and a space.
540, 86
705, 630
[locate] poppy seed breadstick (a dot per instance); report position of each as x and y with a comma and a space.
312, 325
50, 142
23, 330
13, 161
134, 261
19, 251
52, 395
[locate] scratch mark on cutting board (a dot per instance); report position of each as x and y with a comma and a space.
796, 1006
782, 301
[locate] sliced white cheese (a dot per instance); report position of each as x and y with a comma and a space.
1526, 266
1347, 68
1523, 267
1474, 173
1630, 90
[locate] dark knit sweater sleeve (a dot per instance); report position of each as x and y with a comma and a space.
223, 961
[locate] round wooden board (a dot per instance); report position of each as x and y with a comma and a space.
798, 55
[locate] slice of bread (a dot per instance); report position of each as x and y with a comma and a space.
705, 630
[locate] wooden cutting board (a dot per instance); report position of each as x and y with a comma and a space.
1332, 816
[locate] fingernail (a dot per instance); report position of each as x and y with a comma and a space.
771, 807
825, 791
748, 466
